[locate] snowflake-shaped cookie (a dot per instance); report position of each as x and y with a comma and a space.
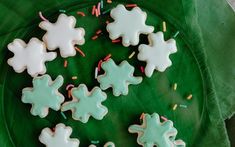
154, 133
31, 56
86, 104
128, 25
43, 95
156, 54
63, 35
117, 77
60, 137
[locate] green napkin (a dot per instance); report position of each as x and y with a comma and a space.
202, 66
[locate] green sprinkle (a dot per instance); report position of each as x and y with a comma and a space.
176, 34
63, 11
101, 4
63, 115
183, 106
95, 141
106, 11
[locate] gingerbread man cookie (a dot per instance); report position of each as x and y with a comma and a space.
156, 54
152, 132
86, 104
119, 77
31, 56
43, 95
63, 35
128, 25
60, 137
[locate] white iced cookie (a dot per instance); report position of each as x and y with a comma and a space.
63, 35
156, 54
31, 56
128, 25
60, 137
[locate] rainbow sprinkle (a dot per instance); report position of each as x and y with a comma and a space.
175, 86
183, 106
80, 51
96, 73
65, 63
131, 5
74, 78
42, 17
107, 57
174, 107
69, 86
81, 13
176, 34
189, 97
164, 26
63, 115
131, 55
164, 118
62, 11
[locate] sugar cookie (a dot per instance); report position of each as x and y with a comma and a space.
43, 95
31, 56
117, 77
86, 104
63, 35
152, 132
128, 25
60, 137
156, 54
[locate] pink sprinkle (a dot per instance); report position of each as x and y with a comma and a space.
80, 51
69, 86
116, 41
99, 64
98, 8
142, 116
65, 63
142, 69
81, 13
94, 37
163, 118
41, 16
107, 57
96, 12
93, 10
98, 32
131, 5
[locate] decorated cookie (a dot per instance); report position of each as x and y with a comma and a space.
63, 35
118, 77
156, 54
86, 104
31, 56
43, 95
108, 144
154, 133
128, 25
60, 137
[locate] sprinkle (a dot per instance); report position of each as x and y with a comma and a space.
174, 107
80, 51
65, 63
142, 69
131, 5
63, 11
142, 116
98, 32
189, 97
95, 141
99, 64
107, 22
63, 115
102, 4
81, 13
164, 118
96, 73
69, 86
41, 16
176, 34
164, 26
131, 55
93, 10
175, 86
116, 41
96, 12
106, 11
109, 1
107, 57
98, 8
74, 78
94, 37
183, 106
69, 94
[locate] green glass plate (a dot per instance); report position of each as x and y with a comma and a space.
195, 70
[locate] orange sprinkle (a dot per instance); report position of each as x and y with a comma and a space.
99, 64
107, 57
98, 32
65, 63
142, 116
109, 1
189, 97
163, 118
116, 41
81, 13
80, 51
69, 93
98, 8
94, 37
96, 12
93, 10
131, 5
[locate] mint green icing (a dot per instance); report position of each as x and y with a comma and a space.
152, 132
43, 95
117, 77
86, 104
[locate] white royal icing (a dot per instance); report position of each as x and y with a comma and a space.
156, 54
63, 35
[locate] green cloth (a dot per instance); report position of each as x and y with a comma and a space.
202, 66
